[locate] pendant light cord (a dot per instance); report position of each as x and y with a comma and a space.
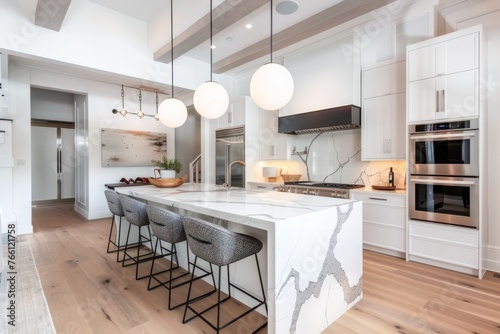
172, 43
211, 44
123, 98
271, 53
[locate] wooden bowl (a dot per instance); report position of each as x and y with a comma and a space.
167, 182
291, 177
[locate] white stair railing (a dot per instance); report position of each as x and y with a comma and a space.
194, 170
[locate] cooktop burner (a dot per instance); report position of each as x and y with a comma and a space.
325, 185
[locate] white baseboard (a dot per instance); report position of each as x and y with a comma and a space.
99, 215
493, 258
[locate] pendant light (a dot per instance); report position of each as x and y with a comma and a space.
210, 98
271, 86
172, 112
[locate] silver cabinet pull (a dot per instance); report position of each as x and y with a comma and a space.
378, 198
437, 101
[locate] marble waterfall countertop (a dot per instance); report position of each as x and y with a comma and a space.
313, 246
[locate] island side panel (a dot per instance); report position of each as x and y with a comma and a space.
318, 269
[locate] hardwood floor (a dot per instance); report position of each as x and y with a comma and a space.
88, 292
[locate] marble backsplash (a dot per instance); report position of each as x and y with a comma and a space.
335, 156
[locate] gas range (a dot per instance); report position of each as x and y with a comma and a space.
335, 190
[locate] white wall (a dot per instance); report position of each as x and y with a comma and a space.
52, 105
102, 98
93, 37
487, 13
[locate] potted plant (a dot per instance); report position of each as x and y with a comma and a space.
167, 168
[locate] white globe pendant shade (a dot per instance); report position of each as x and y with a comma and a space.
172, 113
271, 86
211, 100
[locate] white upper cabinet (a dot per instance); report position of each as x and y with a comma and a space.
381, 43
384, 80
272, 145
383, 130
235, 114
443, 77
456, 55
383, 117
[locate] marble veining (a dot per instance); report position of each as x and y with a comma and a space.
335, 156
331, 266
311, 244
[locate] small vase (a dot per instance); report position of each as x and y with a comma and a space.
165, 173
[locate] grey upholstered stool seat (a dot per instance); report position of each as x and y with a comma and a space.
167, 226
220, 246
135, 212
116, 209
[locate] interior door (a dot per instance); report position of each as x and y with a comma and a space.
53, 162
44, 172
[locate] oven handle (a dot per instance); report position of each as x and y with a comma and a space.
451, 135
438, 182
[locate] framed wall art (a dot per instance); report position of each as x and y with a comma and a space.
130, 148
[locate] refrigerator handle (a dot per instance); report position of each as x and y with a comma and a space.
226, 162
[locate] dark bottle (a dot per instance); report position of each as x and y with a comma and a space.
391, 178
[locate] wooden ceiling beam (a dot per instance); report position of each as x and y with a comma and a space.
322, 21
224, 15
50, 14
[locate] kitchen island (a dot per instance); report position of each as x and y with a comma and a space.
312, 255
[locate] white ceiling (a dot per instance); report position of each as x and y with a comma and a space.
187, 12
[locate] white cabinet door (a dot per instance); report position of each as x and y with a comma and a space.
422, 63
384, 80
423, 100
398, 127
375, 111
460, 94
445, 97
235, 114
456, 55
383, 132
272, 145
384, 223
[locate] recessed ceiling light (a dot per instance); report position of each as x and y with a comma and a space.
229, 38
287, 7
248, 26
212, 46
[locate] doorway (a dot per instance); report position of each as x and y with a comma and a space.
52, 147
52, 155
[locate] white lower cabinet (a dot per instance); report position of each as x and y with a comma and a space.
447, 246
384, 221
251, 185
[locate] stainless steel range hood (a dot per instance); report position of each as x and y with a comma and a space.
331, 119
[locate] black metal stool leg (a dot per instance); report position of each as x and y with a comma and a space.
126, 247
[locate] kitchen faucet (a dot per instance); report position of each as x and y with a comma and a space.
227, 184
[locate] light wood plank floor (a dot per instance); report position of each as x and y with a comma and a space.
88, 292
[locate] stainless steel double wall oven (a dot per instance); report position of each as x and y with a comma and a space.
444, 172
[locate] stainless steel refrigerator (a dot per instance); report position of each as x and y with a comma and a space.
230, 141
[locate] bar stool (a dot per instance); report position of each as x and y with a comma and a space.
135, 212
220, 246
116, 209
167, 226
